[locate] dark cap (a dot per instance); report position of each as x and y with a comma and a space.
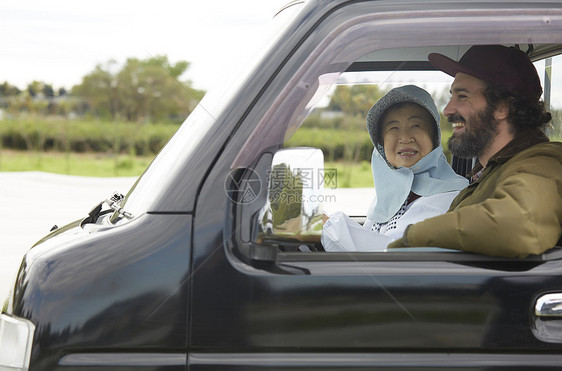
504, 66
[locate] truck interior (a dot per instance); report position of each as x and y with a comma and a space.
299, 233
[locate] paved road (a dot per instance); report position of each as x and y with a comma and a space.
32, 202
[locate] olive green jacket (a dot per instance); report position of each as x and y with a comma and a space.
514, 208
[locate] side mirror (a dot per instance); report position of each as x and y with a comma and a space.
293, 210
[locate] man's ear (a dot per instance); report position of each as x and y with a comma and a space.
502, 111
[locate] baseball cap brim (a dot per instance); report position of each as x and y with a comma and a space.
452, 67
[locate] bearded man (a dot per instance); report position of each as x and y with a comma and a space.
513, 207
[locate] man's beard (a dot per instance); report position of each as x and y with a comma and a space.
477, 135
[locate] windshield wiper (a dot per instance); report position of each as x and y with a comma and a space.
114, 203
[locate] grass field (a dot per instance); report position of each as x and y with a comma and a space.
88, 164
349, 175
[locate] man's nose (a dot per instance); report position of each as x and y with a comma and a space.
449, 109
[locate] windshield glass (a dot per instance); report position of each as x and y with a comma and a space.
202, 119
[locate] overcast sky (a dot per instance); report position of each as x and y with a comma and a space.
60, 41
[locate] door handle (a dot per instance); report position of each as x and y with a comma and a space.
546, 324
549, 305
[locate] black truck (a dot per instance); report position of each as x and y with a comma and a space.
213, 260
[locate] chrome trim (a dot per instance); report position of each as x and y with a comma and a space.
330, 360
549, 305
124, 359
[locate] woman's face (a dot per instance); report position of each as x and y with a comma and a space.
407, 134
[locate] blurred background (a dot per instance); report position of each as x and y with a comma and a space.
97, 88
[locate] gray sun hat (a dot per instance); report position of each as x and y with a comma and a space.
406, 93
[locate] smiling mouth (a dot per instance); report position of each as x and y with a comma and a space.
457, 125
407, 153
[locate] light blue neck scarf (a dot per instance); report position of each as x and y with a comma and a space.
429, 176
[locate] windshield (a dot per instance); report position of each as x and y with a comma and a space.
178, 150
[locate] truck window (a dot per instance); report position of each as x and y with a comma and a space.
325, 105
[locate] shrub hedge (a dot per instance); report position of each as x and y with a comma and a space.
352, 145
84, 136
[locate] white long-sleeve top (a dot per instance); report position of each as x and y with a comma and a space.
341, 233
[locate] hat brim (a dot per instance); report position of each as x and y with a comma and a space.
452, 67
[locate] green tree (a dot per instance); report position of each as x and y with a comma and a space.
37, 88
8, 90
99, 89
355, 100
148, 90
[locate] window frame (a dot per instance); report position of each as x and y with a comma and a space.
341, 40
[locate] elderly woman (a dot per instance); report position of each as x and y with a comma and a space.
413, 180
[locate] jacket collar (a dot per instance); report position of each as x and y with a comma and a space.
522, 141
